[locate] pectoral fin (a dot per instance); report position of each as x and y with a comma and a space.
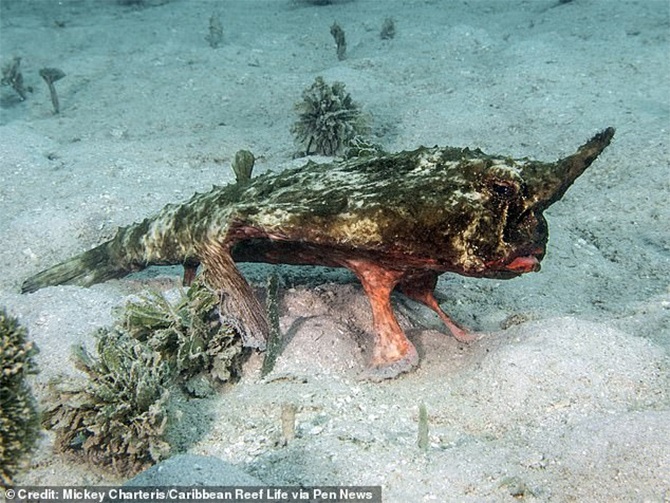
239, 306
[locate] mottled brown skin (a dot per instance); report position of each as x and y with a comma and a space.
397, 221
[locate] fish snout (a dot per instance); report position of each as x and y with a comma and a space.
524, 264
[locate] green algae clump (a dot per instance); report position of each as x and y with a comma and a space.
189, 333
19, 419
329, 120
120, 418
116, 420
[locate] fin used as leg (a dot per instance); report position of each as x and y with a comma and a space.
393, 352
420, 287
239, 305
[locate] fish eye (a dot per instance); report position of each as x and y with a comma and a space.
503, 188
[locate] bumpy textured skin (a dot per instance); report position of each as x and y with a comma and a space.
396, 220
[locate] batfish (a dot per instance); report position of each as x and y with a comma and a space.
397, 221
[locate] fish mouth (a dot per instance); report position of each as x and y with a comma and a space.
524, 261
515, 264
523, 264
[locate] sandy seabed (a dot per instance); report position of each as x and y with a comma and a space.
565, 395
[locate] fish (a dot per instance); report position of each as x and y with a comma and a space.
396, 220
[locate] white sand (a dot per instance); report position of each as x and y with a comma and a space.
572, 405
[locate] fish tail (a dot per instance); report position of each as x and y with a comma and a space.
161, 240
91, 267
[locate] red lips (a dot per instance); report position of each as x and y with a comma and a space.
528, 263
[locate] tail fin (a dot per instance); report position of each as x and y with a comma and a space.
88, 268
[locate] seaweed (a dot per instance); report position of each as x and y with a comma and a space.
118, 418
340, 41
215, 35
19, 419
329, 120
51, 75
190, 334
388, 29
12, 76
274, 337
288, 411
422, 433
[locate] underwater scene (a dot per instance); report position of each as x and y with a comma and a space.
418, 246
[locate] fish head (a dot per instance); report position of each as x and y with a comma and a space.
503, 232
